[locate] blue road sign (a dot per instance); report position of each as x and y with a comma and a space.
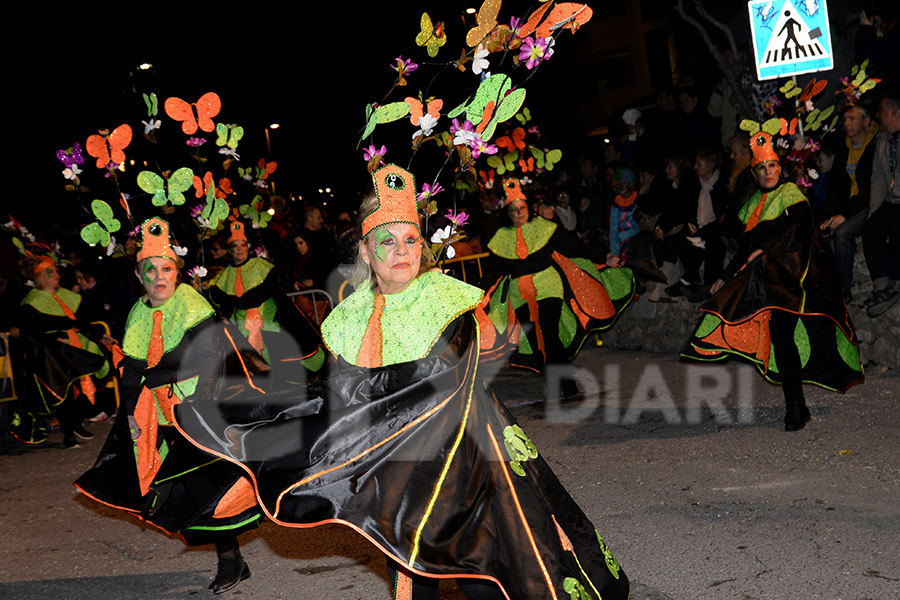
790, 37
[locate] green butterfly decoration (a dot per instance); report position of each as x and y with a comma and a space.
166, 191
772, 126
98, 233
505, 163
524, 116
383, 114
228, 135
216, 209
495, 88
817, 117
790, 89
259, 219
152, 104
545, 160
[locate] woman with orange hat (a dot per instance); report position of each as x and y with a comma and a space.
175, 349
551, 291
65, 364
402, 442
780, 303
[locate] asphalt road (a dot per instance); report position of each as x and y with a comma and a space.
696, 500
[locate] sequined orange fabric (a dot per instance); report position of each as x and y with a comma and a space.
238, 284
254, 325
236, 500
751, 337
87, 385
521, 246
148, 458
754, 218
155, 349
370, 351
528, 292
403, 587
589, 292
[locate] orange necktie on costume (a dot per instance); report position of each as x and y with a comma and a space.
155, 348
87, 386
238, 284
521, 246
754, 218
370, 351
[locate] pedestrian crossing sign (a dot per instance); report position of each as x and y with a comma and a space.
790, 37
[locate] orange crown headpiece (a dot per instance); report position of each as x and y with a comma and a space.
42, 263
155, 240
762, 148
237, 232
395, 189
513, 190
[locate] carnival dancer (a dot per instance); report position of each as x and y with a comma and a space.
176, 348
780, 303
551, 291
65, 364
402, 442
247, 293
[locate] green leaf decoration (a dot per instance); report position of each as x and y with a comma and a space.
749, 126
98, 233
152, 104
817, 117
18, 243
166, 191
509, 106
496, 89
384, 114
868, 85
432, 208
228, 135
216, 209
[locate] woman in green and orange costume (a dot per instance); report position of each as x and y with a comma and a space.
552, 290
64, 365
247, 293
780, 303
176, 349
403, 443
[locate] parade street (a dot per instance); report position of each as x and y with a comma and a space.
686, 472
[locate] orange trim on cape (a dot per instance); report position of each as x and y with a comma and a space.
239, 497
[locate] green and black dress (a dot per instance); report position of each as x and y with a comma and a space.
403, 443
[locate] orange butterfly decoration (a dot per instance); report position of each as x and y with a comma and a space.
198, 114
487, 20
109, 146
417, 110
201, 186
513, 141
566, 15
526, 165
486, 115
266, 169
488, 177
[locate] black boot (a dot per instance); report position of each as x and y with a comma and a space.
232, 569
796, 415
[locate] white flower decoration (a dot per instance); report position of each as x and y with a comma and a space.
426, 126
479, 62
440, 236
72, 172
180, 250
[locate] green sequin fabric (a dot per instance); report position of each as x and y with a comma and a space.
777, 200
45, 302
536, 233
253, 273
185, 309
412, 320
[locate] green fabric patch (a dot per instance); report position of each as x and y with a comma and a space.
848, 351
314, 362
411, 322
801, 340
707, 325
253, 273
779, 199
45, 302
185, 309
536, 234
568, 325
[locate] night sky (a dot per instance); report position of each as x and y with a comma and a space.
311, 69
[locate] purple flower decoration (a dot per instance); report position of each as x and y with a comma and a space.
534, 51
428, 191
458, 219
195, 142
462, 134
404, 67
514, 25
71, 156
196, 210
479, 147
371, 152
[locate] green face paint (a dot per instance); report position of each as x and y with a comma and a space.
381, 236
146, 276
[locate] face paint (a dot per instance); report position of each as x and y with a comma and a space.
381, 236
146, 276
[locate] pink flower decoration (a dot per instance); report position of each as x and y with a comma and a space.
479, 147
404, 66
534, 51
458, 219
371, 152
428, 191
195, 142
